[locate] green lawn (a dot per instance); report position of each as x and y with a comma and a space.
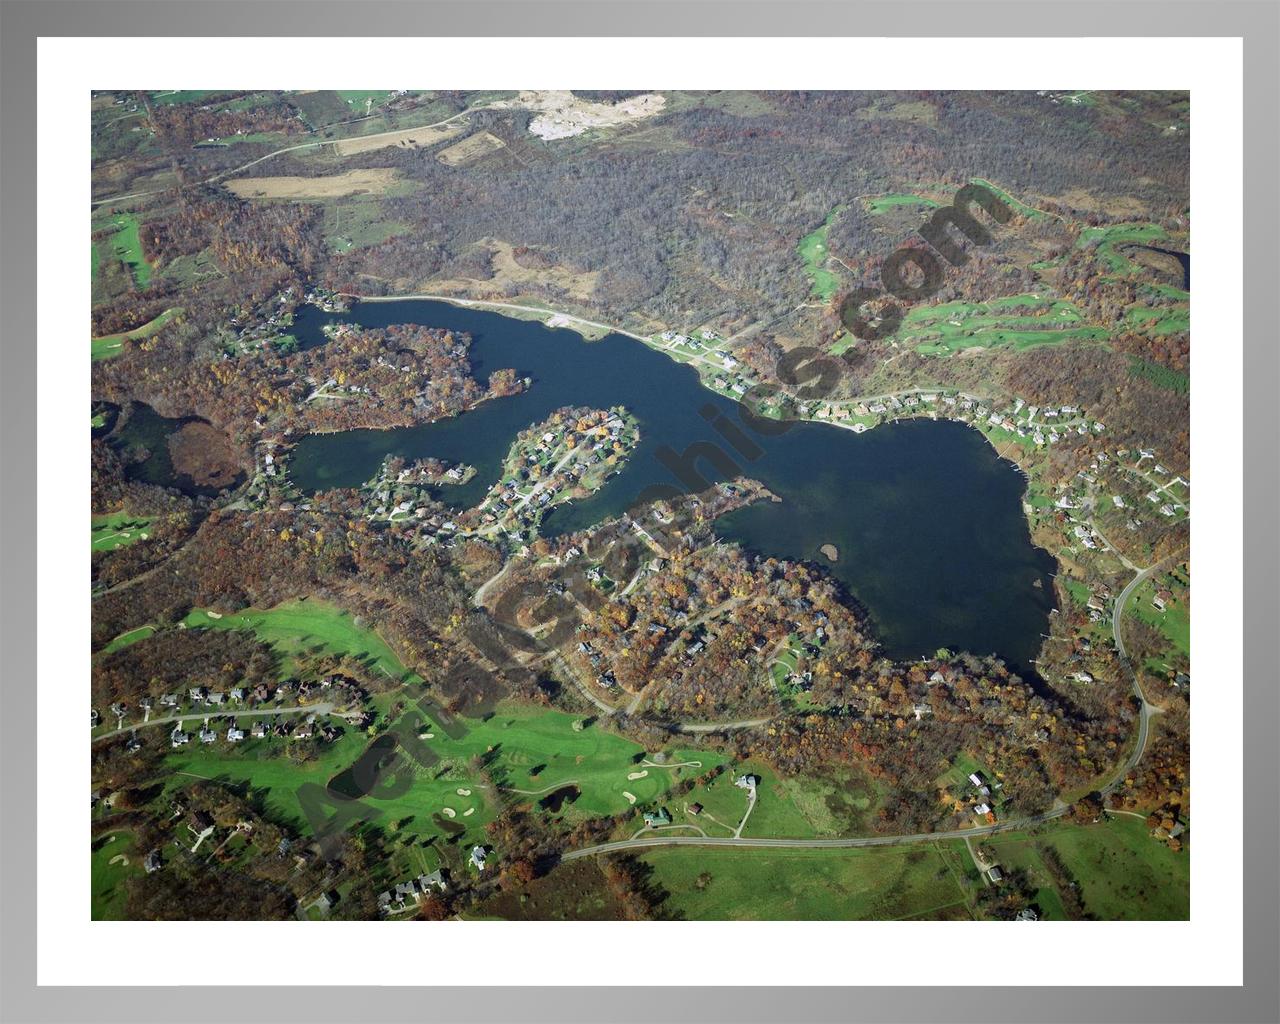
309, 626
118, 529
110, 345
1021, 207
826, 885
1174, 622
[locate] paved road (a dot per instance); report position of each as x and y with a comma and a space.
855, 841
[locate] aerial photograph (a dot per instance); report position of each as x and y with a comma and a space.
640, 505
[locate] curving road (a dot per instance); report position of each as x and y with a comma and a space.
1146, 709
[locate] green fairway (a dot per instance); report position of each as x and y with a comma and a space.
717, 884
127, 246
1017, 204
1107, 238
883, 204
131, 637
110, 345
523, 753
1016, 321
309, 626
1122, 872
107, 879
118, 529
813, 252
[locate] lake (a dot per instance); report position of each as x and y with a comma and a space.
926, 520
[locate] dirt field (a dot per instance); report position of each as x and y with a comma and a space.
562, 115
470, 149
205, 454
411, 138
367, 180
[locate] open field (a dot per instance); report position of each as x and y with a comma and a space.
363, 180
409, 138
1174, 622
309, 625
470, 149
1122, 873
118, 529
110, 345
889, 883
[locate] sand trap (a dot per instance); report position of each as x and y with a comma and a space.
464, 792
426, 735
631, 797
468, 812
120, 858
214, 615
143, 536
632, 776
448, 812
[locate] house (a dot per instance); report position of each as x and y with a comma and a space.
215, 698
237, 694
653, 819
746, 782
995, 874
259, 729
169, 700
207, 735
1027, 915
153, 861
177, 738
977, 779
234, 734
478, 855
435, 880
197, 694
981, 808
695, 808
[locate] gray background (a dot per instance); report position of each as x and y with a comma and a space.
1257, 22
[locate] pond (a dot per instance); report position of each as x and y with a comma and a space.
925, 520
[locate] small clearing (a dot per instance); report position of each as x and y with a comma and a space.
362, 181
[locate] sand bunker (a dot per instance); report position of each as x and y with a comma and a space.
631, 797
632, 776
464, 792
448, 812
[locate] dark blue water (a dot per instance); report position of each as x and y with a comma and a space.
926, 519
